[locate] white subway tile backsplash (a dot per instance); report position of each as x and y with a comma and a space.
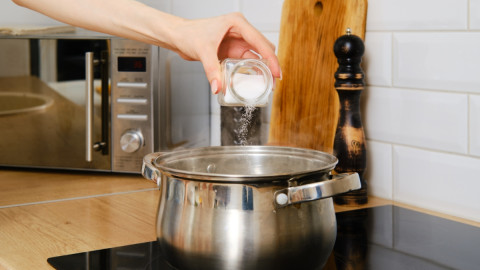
377, 60
272, 37
426, 119
189, 101
12, 14
443, 61
264, 15
192, 9
475, 125
417, 15
475, 14
215, 132
214, 105
161, 5
440, 182
379, 169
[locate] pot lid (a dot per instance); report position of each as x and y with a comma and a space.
244, 163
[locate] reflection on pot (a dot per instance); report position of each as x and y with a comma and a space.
255, 211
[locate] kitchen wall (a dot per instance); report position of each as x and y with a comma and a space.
422, 105
421, 108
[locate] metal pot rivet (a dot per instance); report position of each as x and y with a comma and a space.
211, 168
281, 199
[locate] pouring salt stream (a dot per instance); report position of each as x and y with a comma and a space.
247, 83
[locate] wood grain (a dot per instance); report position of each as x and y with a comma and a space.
33, 186
31, 234
305, 104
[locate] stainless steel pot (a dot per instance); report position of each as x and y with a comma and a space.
246, 207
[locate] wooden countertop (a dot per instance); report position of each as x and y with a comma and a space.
22, 187
45, 214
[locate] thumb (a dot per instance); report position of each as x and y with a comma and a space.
211, 65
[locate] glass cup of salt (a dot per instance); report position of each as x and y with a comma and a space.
247, 82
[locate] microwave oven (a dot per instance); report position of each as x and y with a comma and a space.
87, 101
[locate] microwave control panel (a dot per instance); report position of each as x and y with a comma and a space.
134, 65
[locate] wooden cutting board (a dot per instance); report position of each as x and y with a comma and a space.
305, 103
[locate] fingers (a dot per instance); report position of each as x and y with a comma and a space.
211, 65
260, 44
236, 40
251, 54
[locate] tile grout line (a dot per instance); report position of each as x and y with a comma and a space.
469, 106
392, 187
439, 151
468, 15
77, 198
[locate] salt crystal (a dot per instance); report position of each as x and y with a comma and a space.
245, 122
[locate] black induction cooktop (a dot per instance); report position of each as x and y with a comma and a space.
385, 237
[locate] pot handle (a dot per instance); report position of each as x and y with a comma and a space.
149, 171
340, 183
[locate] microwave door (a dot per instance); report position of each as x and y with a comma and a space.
51, 136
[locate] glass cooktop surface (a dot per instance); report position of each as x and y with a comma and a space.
385, 237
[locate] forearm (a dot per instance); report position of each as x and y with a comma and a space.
125, 18
207, 40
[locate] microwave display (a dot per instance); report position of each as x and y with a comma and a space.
132, 64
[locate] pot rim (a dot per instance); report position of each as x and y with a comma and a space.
162, 160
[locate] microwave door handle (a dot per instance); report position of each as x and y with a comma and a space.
88, 105
104, 61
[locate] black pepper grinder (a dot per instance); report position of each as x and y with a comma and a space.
349, 143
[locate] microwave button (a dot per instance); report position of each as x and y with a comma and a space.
132, 100
139, 117
131, 140
132, 84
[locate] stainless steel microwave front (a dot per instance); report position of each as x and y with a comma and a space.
133, 82
86, 101
44, 105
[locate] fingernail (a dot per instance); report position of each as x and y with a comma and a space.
257, 54
281, 75
214, 87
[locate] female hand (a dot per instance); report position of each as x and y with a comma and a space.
207, 40
214, 39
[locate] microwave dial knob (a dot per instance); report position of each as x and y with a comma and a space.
131, 141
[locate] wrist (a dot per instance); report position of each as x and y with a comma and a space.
172, 34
